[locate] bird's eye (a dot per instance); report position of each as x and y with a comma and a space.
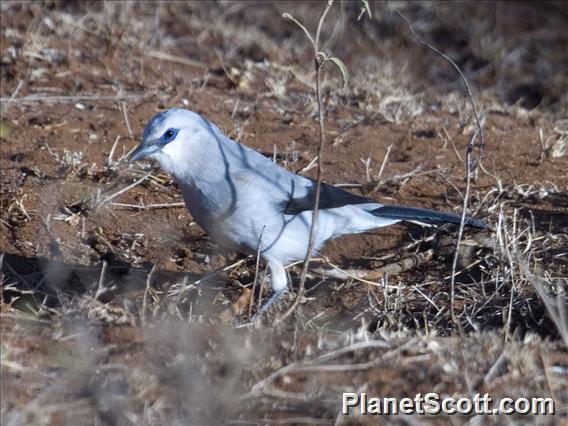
169, 135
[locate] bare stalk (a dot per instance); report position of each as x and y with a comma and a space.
319, 61
256, 274
465, 83
149, 279
468, 173
122, 191
468, 160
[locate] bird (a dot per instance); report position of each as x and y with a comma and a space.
248, 203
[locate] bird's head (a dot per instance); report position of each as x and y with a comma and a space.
168, 137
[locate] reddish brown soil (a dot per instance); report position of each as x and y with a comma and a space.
63, 110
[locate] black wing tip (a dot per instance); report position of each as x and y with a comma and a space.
427, 216
469, 221
476, 223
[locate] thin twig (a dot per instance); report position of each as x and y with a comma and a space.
125, 113
146, 291
318, 62
149, 206
372, 344
402, 177
40, 98
451, 141
464, 81
123, 190
178, 59
16, 91
496, 367
111, 153
355, 275
384, 162
469, 151
462, 225
101, 287
294, 20
309, 166
205, 277
402, 249
256, 274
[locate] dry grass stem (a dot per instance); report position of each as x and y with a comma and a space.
470, 166
319, 62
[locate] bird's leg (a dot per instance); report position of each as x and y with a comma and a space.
268, 303
278, 282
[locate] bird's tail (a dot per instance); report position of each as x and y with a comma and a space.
416, 214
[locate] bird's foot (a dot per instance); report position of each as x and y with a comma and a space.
267, 304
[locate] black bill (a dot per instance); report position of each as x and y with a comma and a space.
143, 150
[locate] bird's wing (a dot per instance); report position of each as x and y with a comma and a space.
290, 193
331, 197
424, 216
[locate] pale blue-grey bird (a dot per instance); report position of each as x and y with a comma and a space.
248, 203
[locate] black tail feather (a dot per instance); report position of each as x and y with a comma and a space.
417, 214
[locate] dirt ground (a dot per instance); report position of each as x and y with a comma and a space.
117, 309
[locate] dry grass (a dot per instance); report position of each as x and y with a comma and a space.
116, 309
